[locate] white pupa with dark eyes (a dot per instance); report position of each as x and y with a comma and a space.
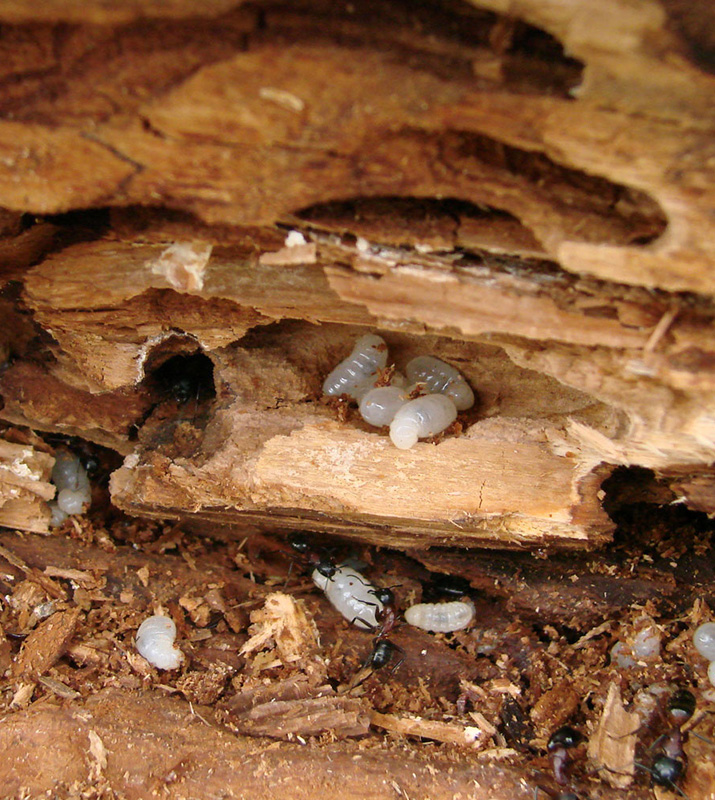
441, 617
349, 593
155, 642
441, 378
417, 419
368, 357
379, 406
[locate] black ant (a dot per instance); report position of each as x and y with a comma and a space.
560, 743
302, 547
383, 650
669, 766
386, 614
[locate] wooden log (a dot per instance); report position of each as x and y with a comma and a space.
25, 486
521, 196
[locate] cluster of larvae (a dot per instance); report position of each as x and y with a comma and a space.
421, 403
704, 641
73, 488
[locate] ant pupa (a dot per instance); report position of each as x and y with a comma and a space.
441, 617
379, 406
704, 641
367, 357
74, 492
351, 594
441, 378
422, 417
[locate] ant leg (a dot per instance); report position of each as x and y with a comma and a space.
702, 738
365, 623
398, 649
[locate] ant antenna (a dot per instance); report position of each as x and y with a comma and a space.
661, 779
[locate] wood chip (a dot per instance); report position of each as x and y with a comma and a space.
613, 744
449, 732
294, 708
46, 644
51, 587
282, 622
58, 688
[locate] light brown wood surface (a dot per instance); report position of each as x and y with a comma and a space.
524, 189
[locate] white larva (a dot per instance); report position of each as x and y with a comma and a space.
368, 357
379, 406
711, 672
155, 642
349, 593
441, 378
74, 491
441, 617
704, 640
425, 416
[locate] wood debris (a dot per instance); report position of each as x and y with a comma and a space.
282, 623
46, 644
25, 487
471, 736
294, 709
612, 746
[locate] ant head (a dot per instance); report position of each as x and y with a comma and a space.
326, 568
384, 596
565, 736
666, 771
681, 706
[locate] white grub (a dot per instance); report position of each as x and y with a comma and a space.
425, 416
441, 617
711, 672
349, 593
368, 357
155, 642
441, 378
74, 491
704, 640
379, 406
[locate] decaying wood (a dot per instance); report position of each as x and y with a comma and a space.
612, 746
282, 715
230, 194
184, 757
470, 736
530, 205
45, 645
513, 675
25, 486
